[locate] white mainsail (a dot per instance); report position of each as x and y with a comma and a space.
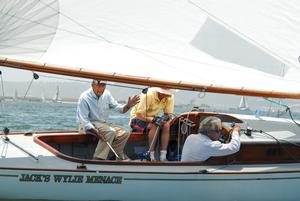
263, 33
151, 39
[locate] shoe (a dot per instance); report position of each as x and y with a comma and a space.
123, 157
163, 159
163, 156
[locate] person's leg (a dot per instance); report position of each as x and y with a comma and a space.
165, 136
102, 150
153, 133
120, 140
164, 141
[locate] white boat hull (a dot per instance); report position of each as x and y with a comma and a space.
66, 185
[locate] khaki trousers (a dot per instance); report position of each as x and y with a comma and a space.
115, 135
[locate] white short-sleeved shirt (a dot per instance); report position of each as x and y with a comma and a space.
199, 147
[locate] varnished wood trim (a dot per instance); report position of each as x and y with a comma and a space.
244, 156
78, 72
43, 132
48, 169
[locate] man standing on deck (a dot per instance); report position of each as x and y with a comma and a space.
199, 147
92, 115
143, 116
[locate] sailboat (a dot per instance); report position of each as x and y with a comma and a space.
16, 96
243, 104
57, 98
160, 44
43, 99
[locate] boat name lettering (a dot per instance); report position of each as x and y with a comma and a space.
70, 178
104, 179
34, 178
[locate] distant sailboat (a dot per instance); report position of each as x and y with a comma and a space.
43, 99
243, 104
57, 98
16, 97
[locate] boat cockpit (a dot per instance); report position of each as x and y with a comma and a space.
254, 148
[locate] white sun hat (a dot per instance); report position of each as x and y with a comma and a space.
166, 91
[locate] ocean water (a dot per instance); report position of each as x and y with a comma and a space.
37, 116
43, 116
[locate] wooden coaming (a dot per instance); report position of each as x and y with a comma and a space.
250, 153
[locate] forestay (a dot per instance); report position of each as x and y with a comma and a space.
144, 38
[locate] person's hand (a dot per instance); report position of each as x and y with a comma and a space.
166, 118
132, 101
101, 136
237, 128
96, 133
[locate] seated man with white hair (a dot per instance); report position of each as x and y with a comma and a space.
143, 116
205, 144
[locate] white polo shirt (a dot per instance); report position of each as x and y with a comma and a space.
199, 147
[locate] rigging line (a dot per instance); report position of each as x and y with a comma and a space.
85, 81
23, 48
2, 102
124, 45
181, 58
34, 77
79, 24
16, 27
290, 113
4, 149
54, 27
129, 46
2, 84
28, 88
280, 144
8, 141
9, 10
287, 109
278, 103
19, 7
282, 59
222, 167
103, 38
292, 143
189, 73
114, 43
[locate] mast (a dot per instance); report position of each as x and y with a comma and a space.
148, 81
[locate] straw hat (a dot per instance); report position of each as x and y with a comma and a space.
166, 91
